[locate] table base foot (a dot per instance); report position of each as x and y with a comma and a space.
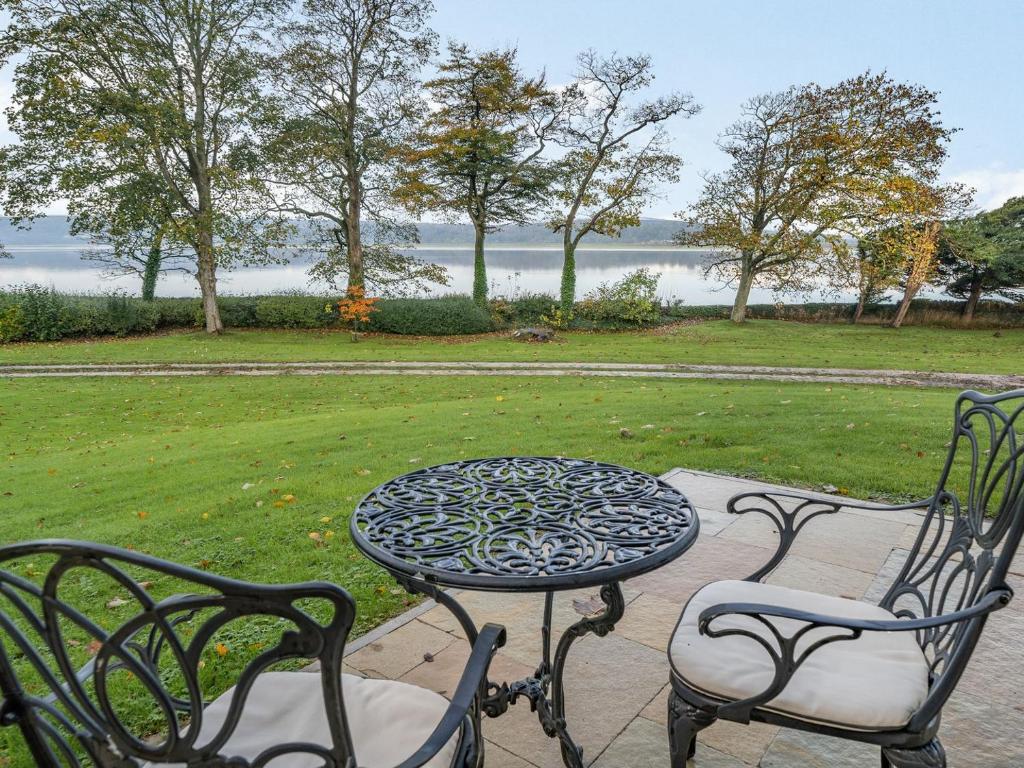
535, 691
551, 710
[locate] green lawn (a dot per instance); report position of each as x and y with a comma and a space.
84, 457
234, 474
161, 463
760, 342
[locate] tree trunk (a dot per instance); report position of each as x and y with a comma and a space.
972, 302
901, 311
479, 267
207, 277
739, 305
206, 258
152, 269
354, 237
862, 300
568, 293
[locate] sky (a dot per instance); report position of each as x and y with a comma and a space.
725, 51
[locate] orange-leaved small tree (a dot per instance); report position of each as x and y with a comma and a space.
356, 308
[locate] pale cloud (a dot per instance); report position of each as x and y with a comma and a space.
993, 185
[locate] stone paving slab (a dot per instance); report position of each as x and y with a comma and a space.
617, 688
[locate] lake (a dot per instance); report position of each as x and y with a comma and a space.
511, 271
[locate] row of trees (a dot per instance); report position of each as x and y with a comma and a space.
198, 135
816, 169
971, 257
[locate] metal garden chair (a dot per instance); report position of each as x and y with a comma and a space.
745, 650
140, 698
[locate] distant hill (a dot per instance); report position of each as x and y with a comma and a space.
650, 232
47, 230
53, 231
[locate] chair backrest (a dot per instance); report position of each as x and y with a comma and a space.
969, 536
96, 669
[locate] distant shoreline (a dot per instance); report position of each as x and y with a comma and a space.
555, 248
421, 247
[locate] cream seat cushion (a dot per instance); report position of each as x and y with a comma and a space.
873, 683
388, 720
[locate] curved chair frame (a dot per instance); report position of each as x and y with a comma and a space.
953, 578
74, 725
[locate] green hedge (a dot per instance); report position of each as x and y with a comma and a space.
35, 313
447, 316
935, 312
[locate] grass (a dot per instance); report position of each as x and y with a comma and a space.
759, 342
233, 475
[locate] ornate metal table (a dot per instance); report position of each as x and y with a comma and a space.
526, 524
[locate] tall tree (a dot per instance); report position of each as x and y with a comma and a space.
616, 153
480, 152
984, 255
113, 195
811, 165
132, 225
348, 99
875, 270
904, 250
171, 80
918, 245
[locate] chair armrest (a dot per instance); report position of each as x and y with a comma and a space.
783, 650
789, 523
992, 601
473, 682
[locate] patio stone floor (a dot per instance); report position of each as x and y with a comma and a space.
617, 686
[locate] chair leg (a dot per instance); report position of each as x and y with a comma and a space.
930, 755
685, 721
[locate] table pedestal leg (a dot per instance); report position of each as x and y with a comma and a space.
545, 690
550, 708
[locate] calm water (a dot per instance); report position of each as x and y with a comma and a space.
510, 271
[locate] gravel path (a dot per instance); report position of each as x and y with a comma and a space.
627, 370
